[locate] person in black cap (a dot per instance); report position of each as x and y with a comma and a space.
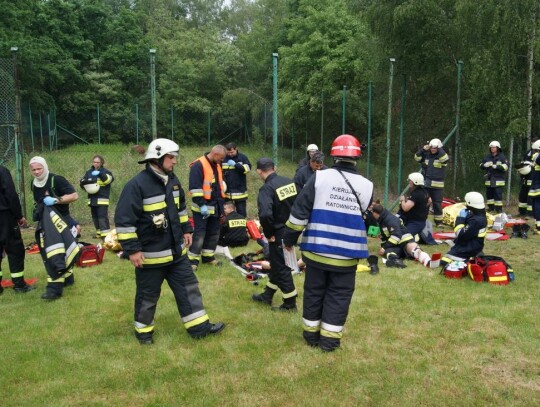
274, 202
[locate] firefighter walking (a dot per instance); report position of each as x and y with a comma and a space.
275, 200
154, 231
329, 211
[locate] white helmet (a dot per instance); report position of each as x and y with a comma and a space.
416, 178
158, 148
475, 200
91, 188
495, 143
525, 168
435, 143
536, 145
312, 147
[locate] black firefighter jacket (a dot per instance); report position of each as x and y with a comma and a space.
59, 248
151, 217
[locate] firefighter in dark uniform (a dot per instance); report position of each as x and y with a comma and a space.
397, 242
316, 163
207, 190
234, 228
97, 183
470, 227
11, 218
329, 211
54, 191
414, 208
154, 231
276, 197
310, 150
433, 160
524, 169
495, 166
534, 192
235, 168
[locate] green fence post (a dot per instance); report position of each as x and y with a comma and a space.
172, 123
401, 130
41, 132
275, 107
209, 126
31, 126
388, 130
458, 108
98, 126
153, 91
322, 121
137, 122
343, 108
370, 100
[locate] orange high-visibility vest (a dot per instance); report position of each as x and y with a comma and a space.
208, 176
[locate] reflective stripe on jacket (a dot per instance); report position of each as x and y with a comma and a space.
151, 217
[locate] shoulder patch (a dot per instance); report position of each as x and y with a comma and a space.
286, 191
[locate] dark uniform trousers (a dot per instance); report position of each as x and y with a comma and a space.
205, 238
436, 195
327, 297
184, 285
280, 274
494, 198
11, 241
100, 217
525, 202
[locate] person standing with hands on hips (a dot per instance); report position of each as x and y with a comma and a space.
97, 183
154, 231
495, 166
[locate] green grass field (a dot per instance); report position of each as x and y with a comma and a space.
412, 336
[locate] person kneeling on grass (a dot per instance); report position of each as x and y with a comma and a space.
397, 242
470, 228
233, 229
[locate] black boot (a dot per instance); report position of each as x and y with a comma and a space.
54, 291
265, 297
20, 286
374, 267
289, 305
394, 261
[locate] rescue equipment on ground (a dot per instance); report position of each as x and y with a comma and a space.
91, 254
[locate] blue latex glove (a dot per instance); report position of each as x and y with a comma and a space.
204, 211
49, 201
231, 163
463, 213
95, 173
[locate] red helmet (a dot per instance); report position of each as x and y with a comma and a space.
346, 146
